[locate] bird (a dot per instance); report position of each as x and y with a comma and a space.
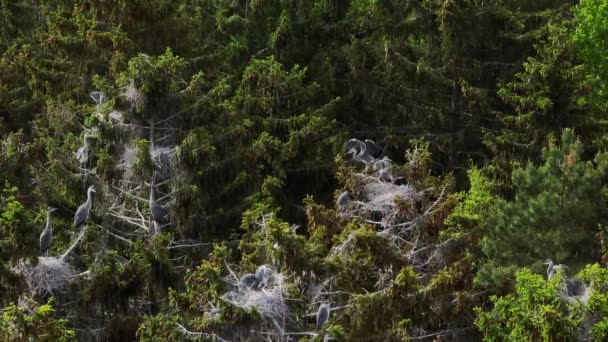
322, 314
343, 200
359, 151
372, 149
248, 281
46, 237
262, 274
159, 214
383, 164
83, 211
551, 268
294, 228
574, 287
83, 152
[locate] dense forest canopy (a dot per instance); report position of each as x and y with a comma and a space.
303, 170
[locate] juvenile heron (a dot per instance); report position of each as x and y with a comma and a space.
248, 281
372, 149
83, 152
553, 268
383, 164
550, 268
322, 314
46, 237
262, 274
84, 210
343, 200
159, 214
575, 287
359, 151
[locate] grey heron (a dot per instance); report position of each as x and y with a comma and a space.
322, 314
262, 274
383, 164
551, 268
574, 287
294, 228
343, 200
159, 214
248, 281
359, 151
83, 152
372, 149
85, 209
46, 237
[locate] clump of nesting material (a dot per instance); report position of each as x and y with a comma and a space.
267, 296
132, 95
379, 196
49, 276
164, 158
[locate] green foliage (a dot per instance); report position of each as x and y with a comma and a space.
17, 238
556, 209
469, 214
34, 323
533, 313
536, 311
590, 37
239, 110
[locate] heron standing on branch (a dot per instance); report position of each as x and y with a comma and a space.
322, 314
84, 210
159, 214
46, 237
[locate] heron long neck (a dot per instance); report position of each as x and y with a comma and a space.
89, 198
550, 267
152, 193
49, 226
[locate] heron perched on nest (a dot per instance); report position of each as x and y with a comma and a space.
46, 237
343, 200
573, 286
248, 281
360, 151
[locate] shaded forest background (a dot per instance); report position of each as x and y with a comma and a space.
236, 115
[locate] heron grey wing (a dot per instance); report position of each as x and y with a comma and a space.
353, 144
248, 280
159, 214
343, 200
45, 240
82, 155
372, 148
574, 287
81, 215
344, 197
322, 315
262, 275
